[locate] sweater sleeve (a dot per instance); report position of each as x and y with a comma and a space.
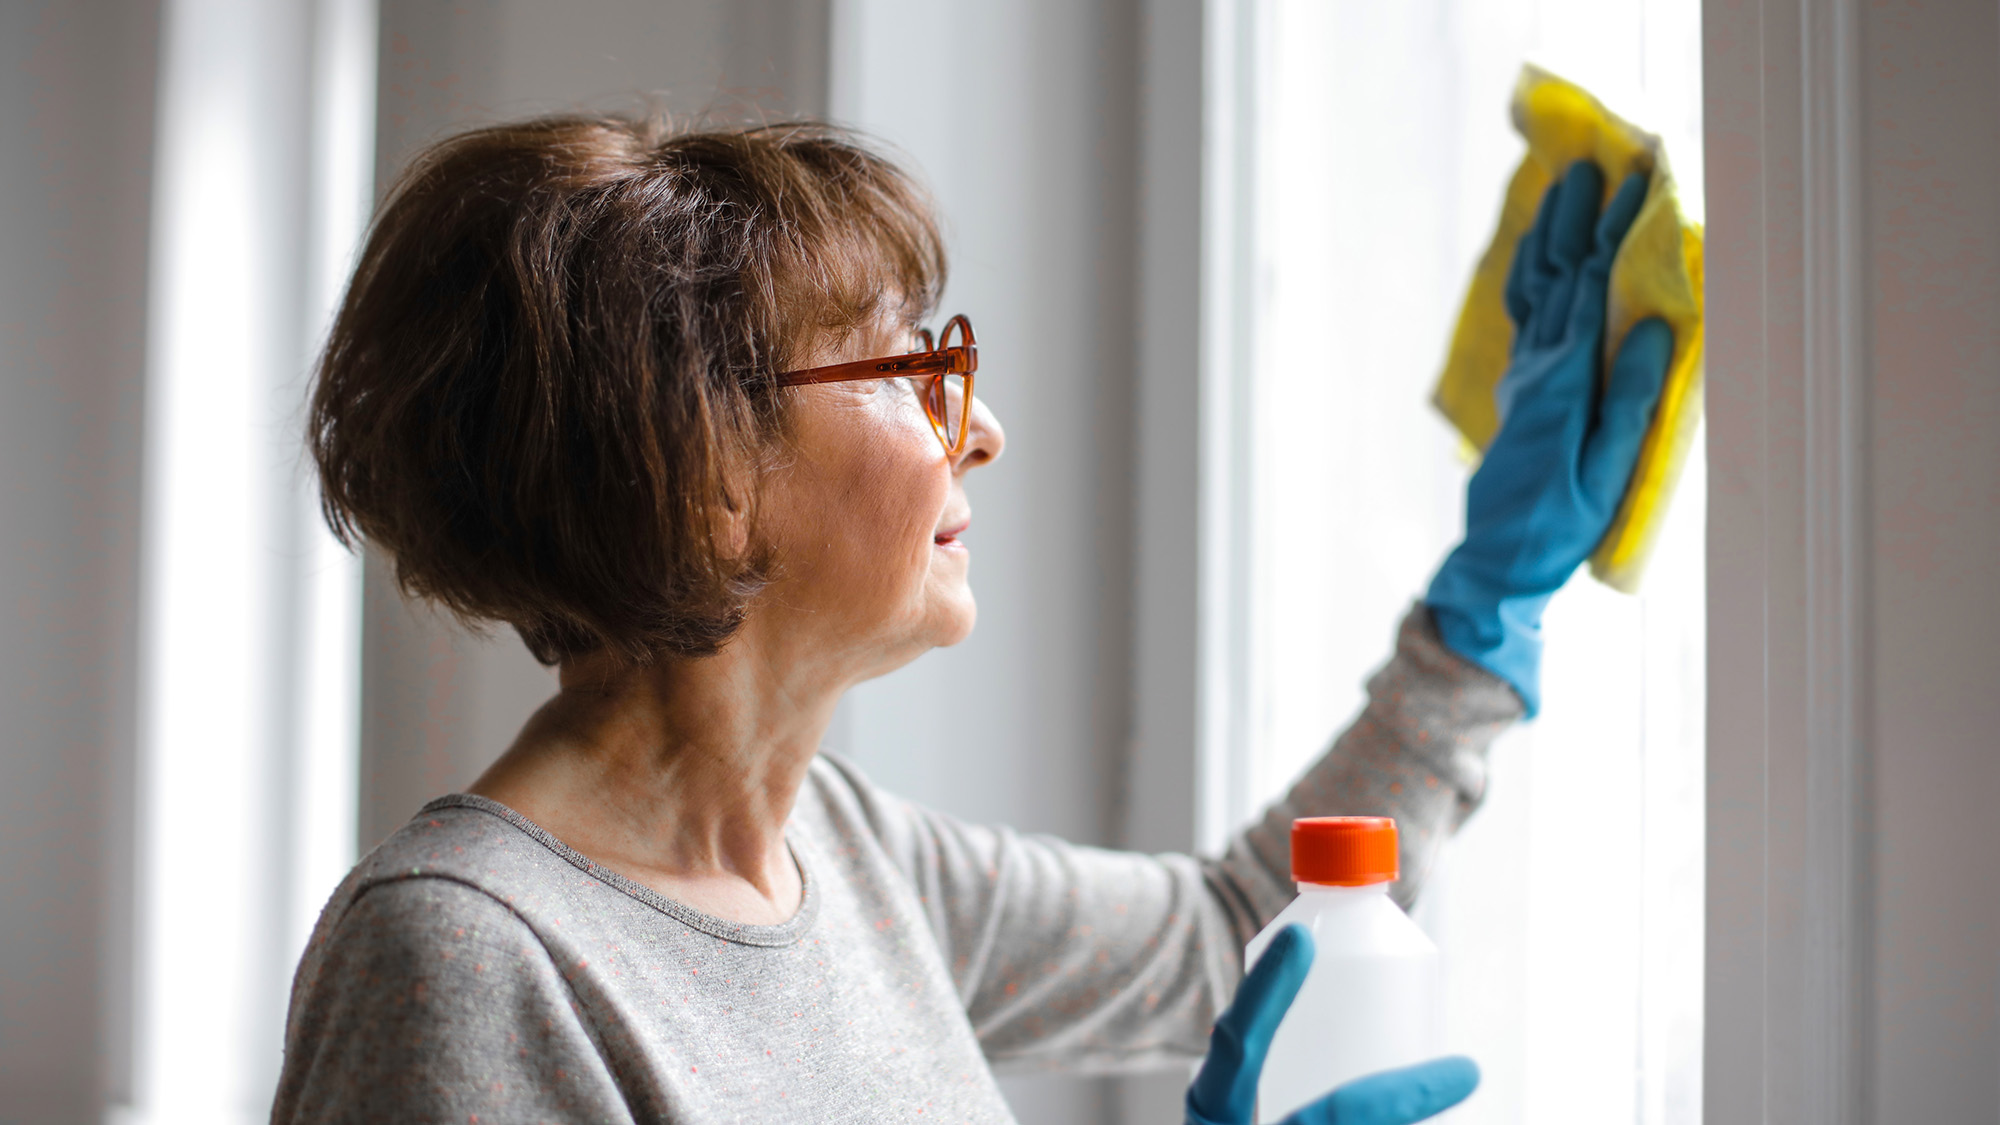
1416, 753
428, 1001
1065, 957
1087, 959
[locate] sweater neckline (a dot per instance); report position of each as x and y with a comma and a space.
743, 933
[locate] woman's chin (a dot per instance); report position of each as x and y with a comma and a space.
955, 618
943, 623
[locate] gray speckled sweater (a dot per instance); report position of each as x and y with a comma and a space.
474, 969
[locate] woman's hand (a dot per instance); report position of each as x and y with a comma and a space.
1552, 479
1225, 1092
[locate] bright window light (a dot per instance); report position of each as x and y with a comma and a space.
327, 798
1569, 909
207, 593
251, 612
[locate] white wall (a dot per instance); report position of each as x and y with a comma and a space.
76, 117
1932, 189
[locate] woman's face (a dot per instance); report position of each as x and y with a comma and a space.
867, 519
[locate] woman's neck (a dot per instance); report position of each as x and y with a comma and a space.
680, 775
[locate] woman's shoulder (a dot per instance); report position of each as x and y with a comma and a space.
832, 779
420, 945
460, 860
870, 826
455, 860
861, 825
838, 799
465, 839
414, 920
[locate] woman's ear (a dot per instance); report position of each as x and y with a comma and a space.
732, 530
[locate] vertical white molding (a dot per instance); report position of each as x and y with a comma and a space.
1227, 462
1838, 965
1174, 792
325, 796
1790, 894
1186, 781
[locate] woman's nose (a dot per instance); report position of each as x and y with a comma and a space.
984, 438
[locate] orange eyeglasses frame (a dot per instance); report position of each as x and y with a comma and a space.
937, 358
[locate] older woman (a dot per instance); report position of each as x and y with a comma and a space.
661, 403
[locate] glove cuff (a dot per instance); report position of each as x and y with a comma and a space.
1195, 1116
1501, 634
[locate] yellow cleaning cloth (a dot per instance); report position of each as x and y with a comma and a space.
1657, 273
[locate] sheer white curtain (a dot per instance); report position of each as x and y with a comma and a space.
1569, 909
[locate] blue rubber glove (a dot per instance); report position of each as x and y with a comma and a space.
1551, 480
1225, 1092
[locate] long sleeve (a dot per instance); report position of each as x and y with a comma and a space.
1064, 957
1088, 959
428, 1001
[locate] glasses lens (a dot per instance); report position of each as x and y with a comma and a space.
946, 403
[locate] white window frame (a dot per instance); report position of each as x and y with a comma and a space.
1789, 890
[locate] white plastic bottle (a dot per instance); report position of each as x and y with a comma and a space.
1373, 999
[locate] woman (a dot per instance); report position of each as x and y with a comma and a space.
651, 400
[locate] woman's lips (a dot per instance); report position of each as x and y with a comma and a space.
948, 536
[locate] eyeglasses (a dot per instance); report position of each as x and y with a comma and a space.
945, 365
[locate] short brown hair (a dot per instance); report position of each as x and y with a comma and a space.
555, 364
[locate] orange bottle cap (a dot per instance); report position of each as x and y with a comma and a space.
1344, 851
